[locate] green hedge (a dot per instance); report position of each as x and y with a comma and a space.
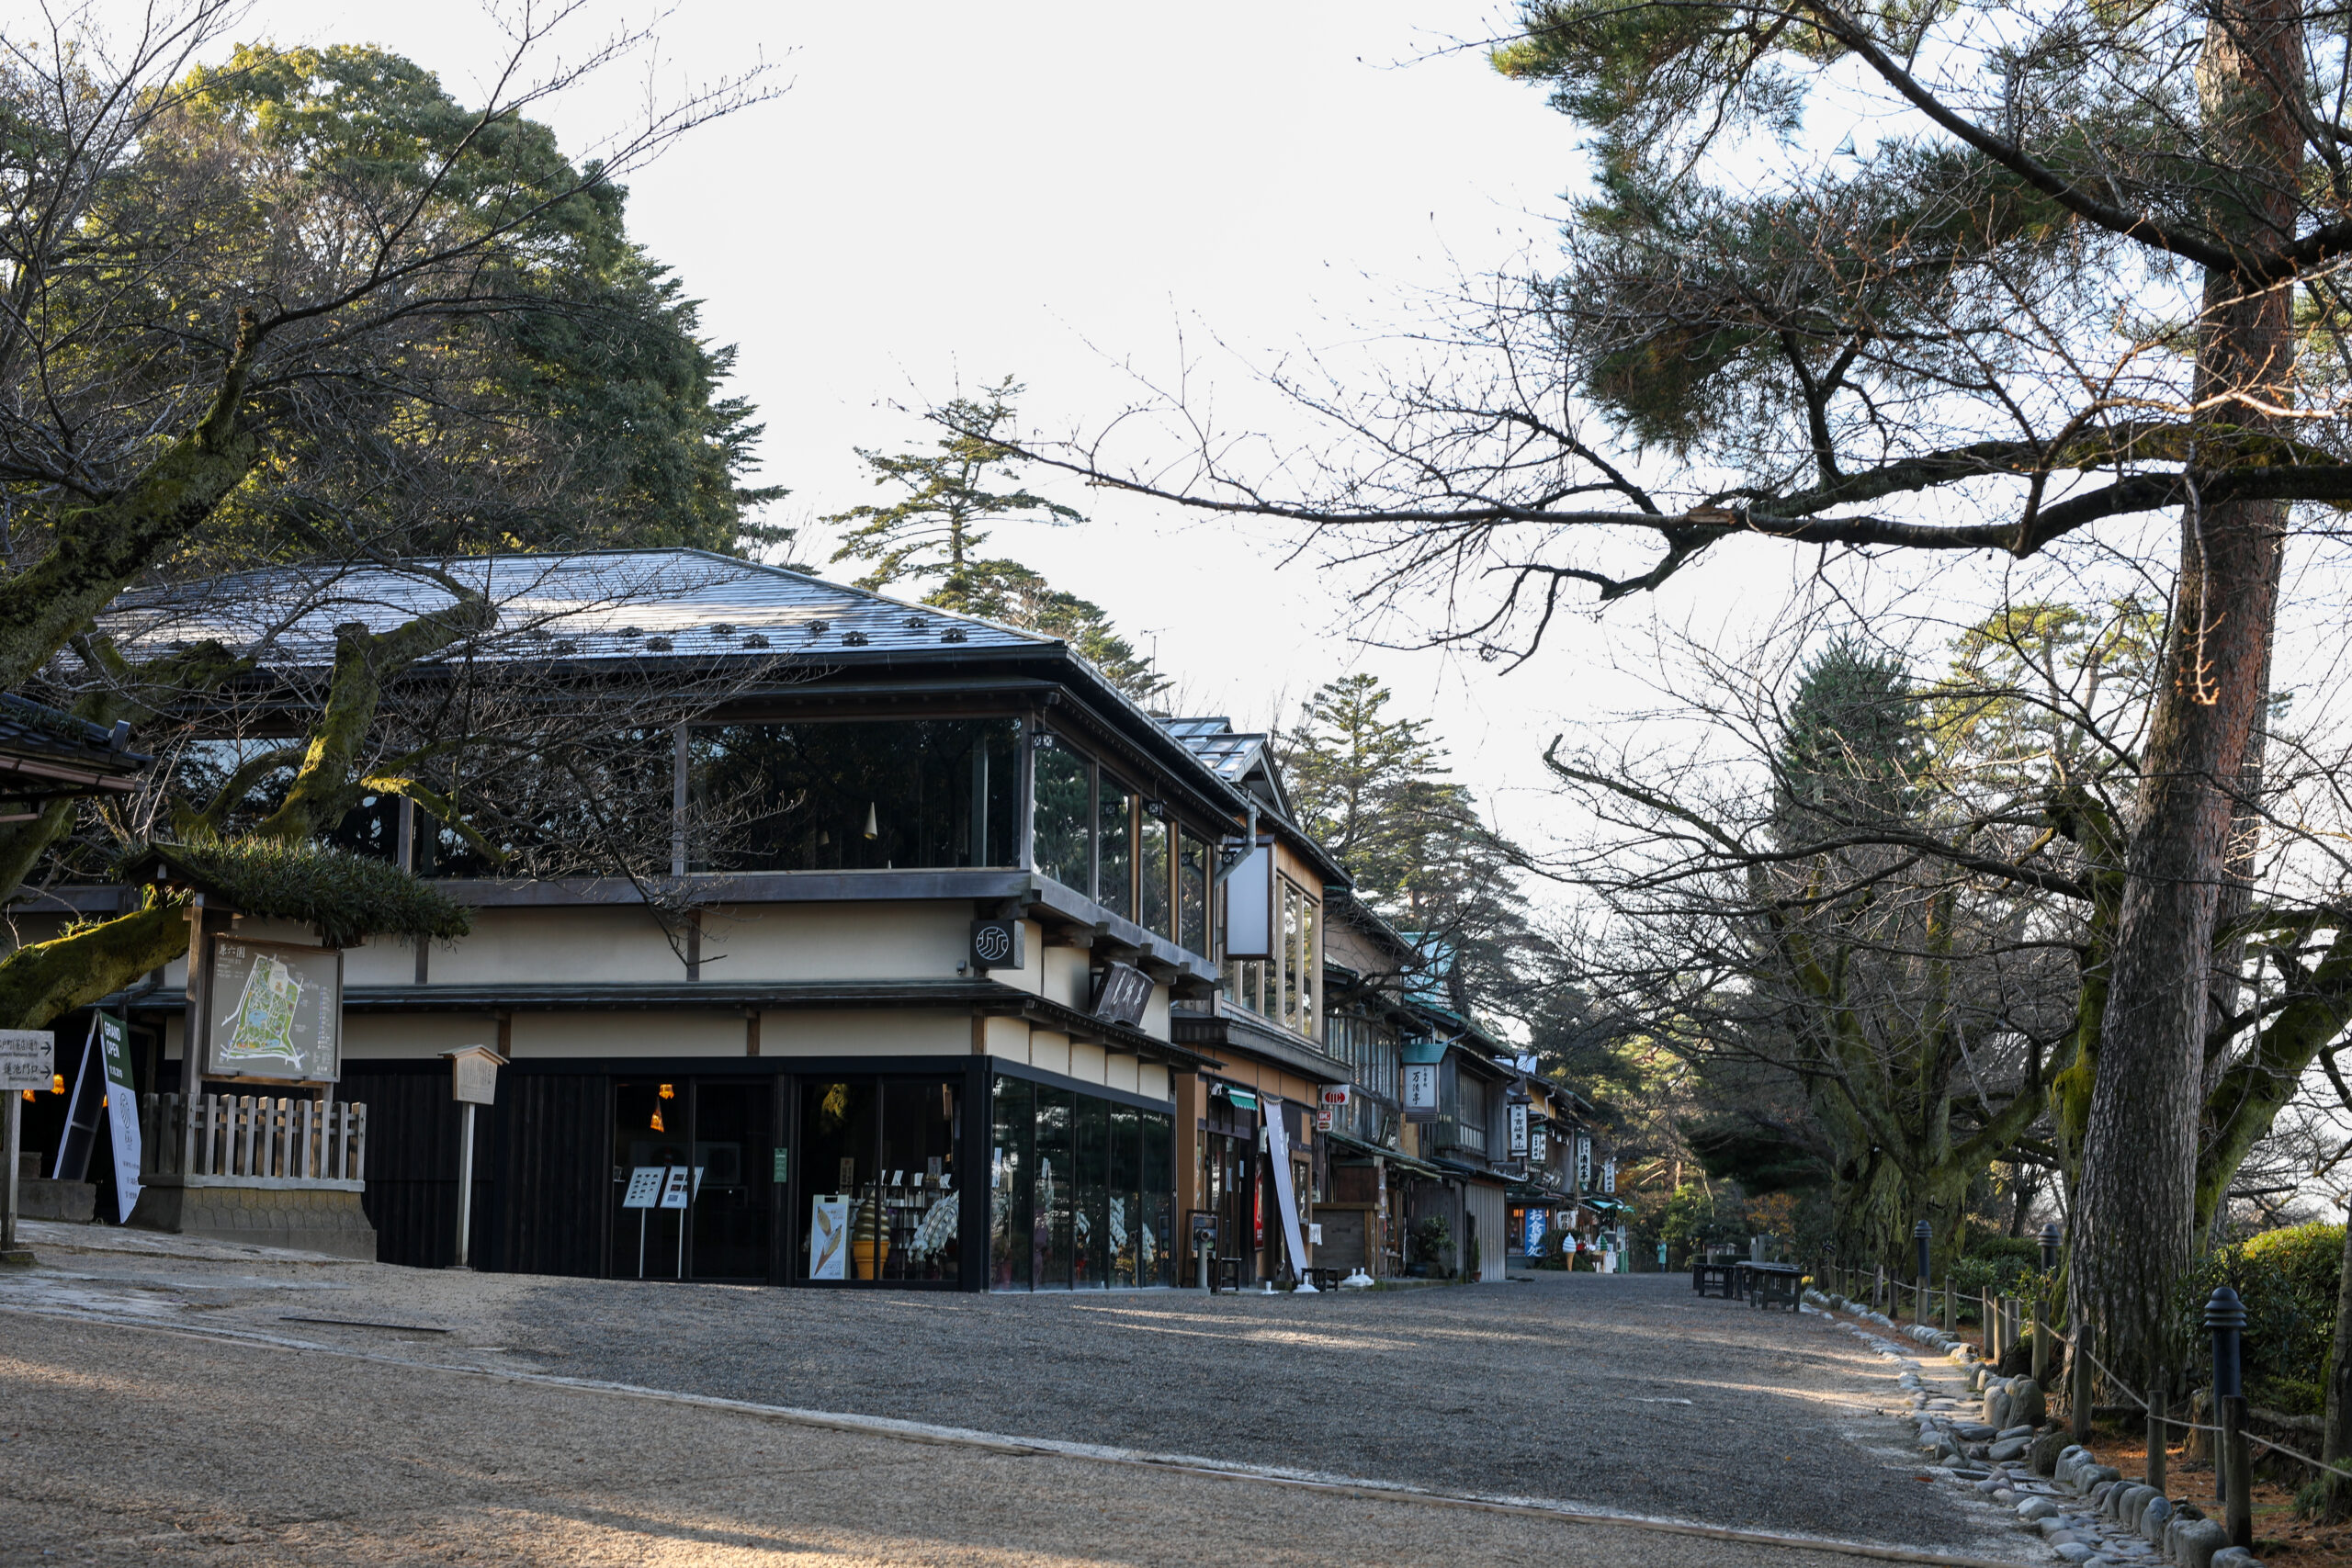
2288, 1279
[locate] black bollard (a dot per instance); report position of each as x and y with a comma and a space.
1923, 1235
2233, 1475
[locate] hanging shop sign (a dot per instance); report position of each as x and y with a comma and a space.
1539, 1221
1335, 1094
1539, 1143
272, 1011
27, 1059
1420, 1091
997, 945
1608, 1176
1121, 993
1518, 1129
1250, 926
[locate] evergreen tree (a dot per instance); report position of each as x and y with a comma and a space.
935, 530
1007, 592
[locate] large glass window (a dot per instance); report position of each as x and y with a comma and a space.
1154, 913
1157, 1250
1115, 854
1010, 1163
1056, 1190
1090, 1222
1127, 1195
1193, 894
1062, 831
1293, 915
853, 795
878, 1161
1080, 1190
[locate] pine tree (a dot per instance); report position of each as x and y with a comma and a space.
937, 529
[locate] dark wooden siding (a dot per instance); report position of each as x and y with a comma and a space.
412, 1136
553, 1180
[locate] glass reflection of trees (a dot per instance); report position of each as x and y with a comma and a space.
853, 795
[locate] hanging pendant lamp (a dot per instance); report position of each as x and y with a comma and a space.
873, 829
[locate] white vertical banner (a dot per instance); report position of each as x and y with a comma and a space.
1270, 1110
122, 1113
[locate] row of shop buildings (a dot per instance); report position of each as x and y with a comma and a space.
992, 980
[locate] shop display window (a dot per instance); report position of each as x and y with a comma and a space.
1081, 1194
1090, 1215
1056, 1190
878, 1166
1011, 1161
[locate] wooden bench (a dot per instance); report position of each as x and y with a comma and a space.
1715, 1279
1774, 1284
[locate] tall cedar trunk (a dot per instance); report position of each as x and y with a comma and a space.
2135, 1209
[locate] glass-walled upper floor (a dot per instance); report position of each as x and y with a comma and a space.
811, 794
1096, 833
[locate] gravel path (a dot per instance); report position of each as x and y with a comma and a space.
1623, 1392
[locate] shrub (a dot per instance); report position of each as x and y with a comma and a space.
2288, 1279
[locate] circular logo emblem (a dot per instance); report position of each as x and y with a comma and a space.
993, 943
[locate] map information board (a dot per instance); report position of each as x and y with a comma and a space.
274, 1010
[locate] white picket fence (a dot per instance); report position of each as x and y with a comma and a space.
247, 1141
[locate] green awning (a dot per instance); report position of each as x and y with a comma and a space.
1242, 1098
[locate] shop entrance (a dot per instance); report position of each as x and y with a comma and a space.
694, 1179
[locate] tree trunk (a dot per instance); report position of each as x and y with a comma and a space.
2136, 1208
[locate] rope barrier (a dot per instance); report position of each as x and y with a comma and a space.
2277, 1447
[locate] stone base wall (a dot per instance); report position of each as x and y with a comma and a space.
309, 1221
42, 1198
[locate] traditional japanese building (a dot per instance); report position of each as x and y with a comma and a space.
993, 978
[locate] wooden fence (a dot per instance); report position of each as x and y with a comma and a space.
249, 1141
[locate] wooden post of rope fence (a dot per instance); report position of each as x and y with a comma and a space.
2078, 1381
2158, 1407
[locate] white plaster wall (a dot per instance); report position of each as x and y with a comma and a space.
1152, 1079
878, 1032
593, 946
1086, 1061
1119, 1071
906, 940
629, 1034
379, 1035
1006, 1037
1068, 979
1155, 1014
1049, 1051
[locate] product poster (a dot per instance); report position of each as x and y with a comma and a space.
828, 1236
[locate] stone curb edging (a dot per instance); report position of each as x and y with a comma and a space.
2085, 1511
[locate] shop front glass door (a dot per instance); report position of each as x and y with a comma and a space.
734, 1144
694, 1179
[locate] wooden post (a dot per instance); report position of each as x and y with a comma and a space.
1951, 1311
2159, 1406
2079, 1399
2237, 1466
2040, 1345
465, 1187
10, 1136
